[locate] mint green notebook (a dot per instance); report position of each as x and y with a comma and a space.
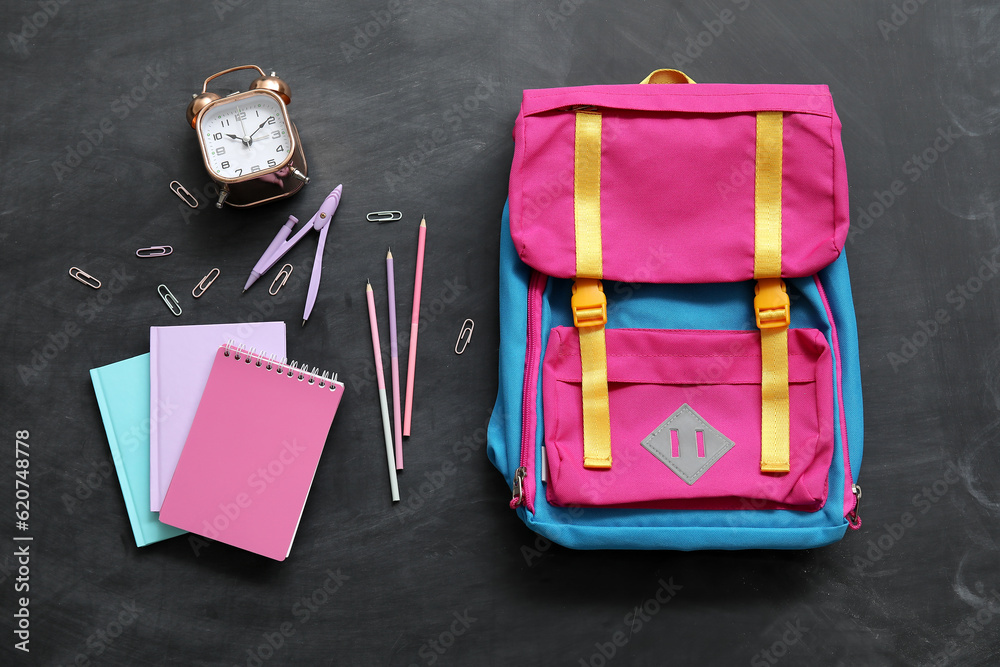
123, 394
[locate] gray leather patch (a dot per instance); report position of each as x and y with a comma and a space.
698, 444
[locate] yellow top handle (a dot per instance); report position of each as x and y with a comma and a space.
667, 76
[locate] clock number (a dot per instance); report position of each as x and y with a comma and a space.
225, 165
217, 136
276, 135
225, 121
242, 115
279, 149
254, 168
220, 150
239, 172
272, 163
270, 121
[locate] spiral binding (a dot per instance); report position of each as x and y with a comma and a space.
283, 367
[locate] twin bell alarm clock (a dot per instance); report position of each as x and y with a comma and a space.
250, 146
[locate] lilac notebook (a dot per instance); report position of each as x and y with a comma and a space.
179, 363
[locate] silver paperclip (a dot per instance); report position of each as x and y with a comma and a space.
384, 216
200, 288
466, 335
154, 251
168, 298
183, 193
84, 277
283, 276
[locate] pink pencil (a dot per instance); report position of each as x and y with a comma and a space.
411, 363
380, 376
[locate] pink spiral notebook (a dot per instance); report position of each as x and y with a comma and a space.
251, 454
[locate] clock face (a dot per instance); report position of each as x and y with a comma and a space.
246, 135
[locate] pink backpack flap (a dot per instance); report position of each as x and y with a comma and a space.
677, 169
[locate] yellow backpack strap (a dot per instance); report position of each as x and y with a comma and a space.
667, 76
771, 303
590, 305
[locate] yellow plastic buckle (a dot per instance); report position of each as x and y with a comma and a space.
771, 305
590, 306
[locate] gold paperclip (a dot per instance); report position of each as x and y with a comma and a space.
183, 193
466, 334
200, 288
168, 298
84, 277
283, 276
154, 251
384, 216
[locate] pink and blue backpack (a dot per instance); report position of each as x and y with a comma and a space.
678, 348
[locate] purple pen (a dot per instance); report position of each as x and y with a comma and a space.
394, 362
259, 267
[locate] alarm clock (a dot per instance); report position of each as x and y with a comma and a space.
249, 145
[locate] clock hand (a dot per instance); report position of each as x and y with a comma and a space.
246, 140
260, 126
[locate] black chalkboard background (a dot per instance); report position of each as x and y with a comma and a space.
454, 578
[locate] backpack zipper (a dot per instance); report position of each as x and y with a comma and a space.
536, 285
854, 516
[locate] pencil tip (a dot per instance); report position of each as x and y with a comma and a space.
423, 221
303, 322
388, 255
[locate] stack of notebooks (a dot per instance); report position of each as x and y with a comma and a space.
215, 438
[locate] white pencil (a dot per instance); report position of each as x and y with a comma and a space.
380, 376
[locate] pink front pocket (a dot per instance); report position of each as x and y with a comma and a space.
685, 422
